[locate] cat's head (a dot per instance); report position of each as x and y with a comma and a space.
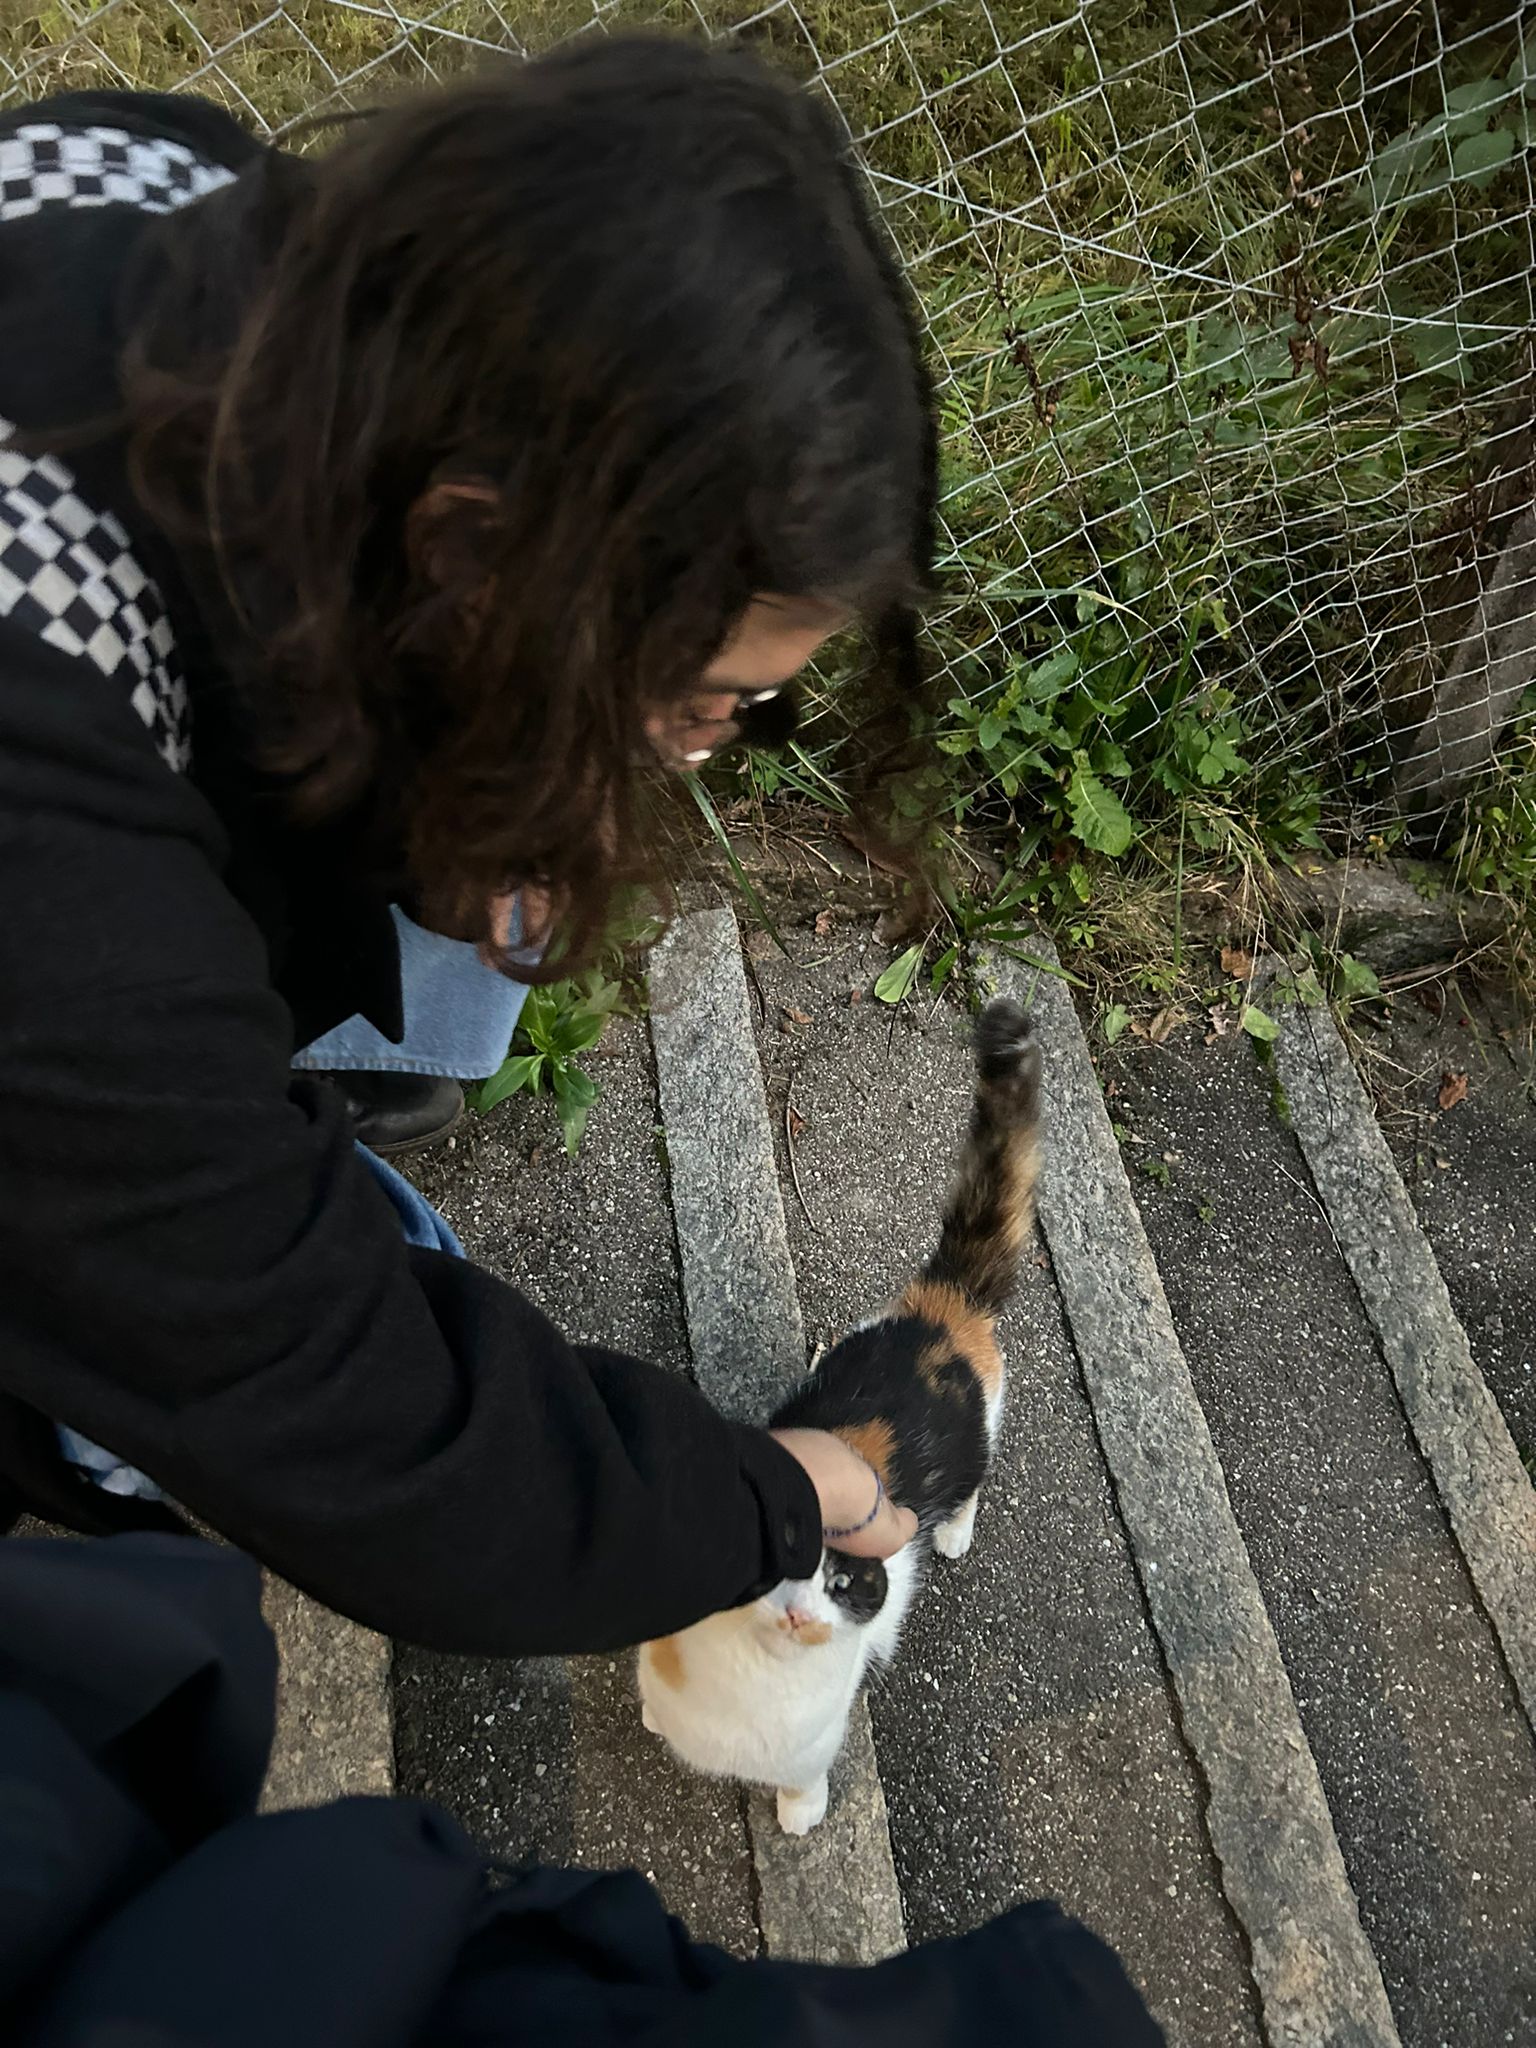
848, 1592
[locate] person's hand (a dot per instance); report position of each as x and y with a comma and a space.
538, 915
847, 1488
697, 729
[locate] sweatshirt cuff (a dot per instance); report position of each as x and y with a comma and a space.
789, 1506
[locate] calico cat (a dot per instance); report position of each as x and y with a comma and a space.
763, 1693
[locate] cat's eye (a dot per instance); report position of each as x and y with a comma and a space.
841, 1582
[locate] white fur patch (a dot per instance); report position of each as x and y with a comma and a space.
767, 1695
953, 1538
799, 1812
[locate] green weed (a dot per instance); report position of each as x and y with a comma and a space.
1279, 1101
900, 978
560, 1021
563, 1020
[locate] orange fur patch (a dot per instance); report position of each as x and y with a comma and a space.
811, 1633
667, 1661
1019, 1224
875, 1443
971, 1334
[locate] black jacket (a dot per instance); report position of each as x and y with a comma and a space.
142, 1901
195, 1269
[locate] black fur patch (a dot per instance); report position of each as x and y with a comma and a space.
856, 1584
936, 1418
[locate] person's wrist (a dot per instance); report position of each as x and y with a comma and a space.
858, 1528
790, 1504
843, 1479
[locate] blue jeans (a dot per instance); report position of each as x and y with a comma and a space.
459, 1014
459, 1020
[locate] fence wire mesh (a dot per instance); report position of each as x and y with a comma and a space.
1232, 318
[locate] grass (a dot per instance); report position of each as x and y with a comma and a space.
1229, 329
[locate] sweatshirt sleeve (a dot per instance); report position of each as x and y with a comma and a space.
198, 1271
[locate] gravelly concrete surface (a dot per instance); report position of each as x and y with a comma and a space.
1426, 1759
542, 1759
1478, 1207
1026, 1738
831, 1897
334, 1732
1266, 1814
1484, 1489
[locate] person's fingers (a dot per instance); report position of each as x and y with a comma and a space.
685, 743
701, 726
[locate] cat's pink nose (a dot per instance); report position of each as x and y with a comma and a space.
797, 1617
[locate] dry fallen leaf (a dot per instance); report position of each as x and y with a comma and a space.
1453, 1089
823, 924
1220, 1020
1444, 1165
793, 1019
1236, 963
1164, 1024
796, 1121
855, 995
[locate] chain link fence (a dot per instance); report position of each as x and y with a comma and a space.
1231, 312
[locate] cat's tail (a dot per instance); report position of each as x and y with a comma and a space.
991, 1209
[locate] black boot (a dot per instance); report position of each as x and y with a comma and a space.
394, 1113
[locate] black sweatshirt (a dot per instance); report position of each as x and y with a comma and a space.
143, 1903
195, 1268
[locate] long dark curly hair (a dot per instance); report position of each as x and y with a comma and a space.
634, 287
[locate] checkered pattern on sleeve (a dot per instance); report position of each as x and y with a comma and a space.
68, 574
42, 164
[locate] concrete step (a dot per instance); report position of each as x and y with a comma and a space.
1265, 1246
1470, 1170
335, 1734
832, 1897
1456, 1422
547, 1760
1027, 1736
1194, 1512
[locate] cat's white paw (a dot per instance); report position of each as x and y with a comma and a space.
953, 1538
799, 1812
648, 1720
